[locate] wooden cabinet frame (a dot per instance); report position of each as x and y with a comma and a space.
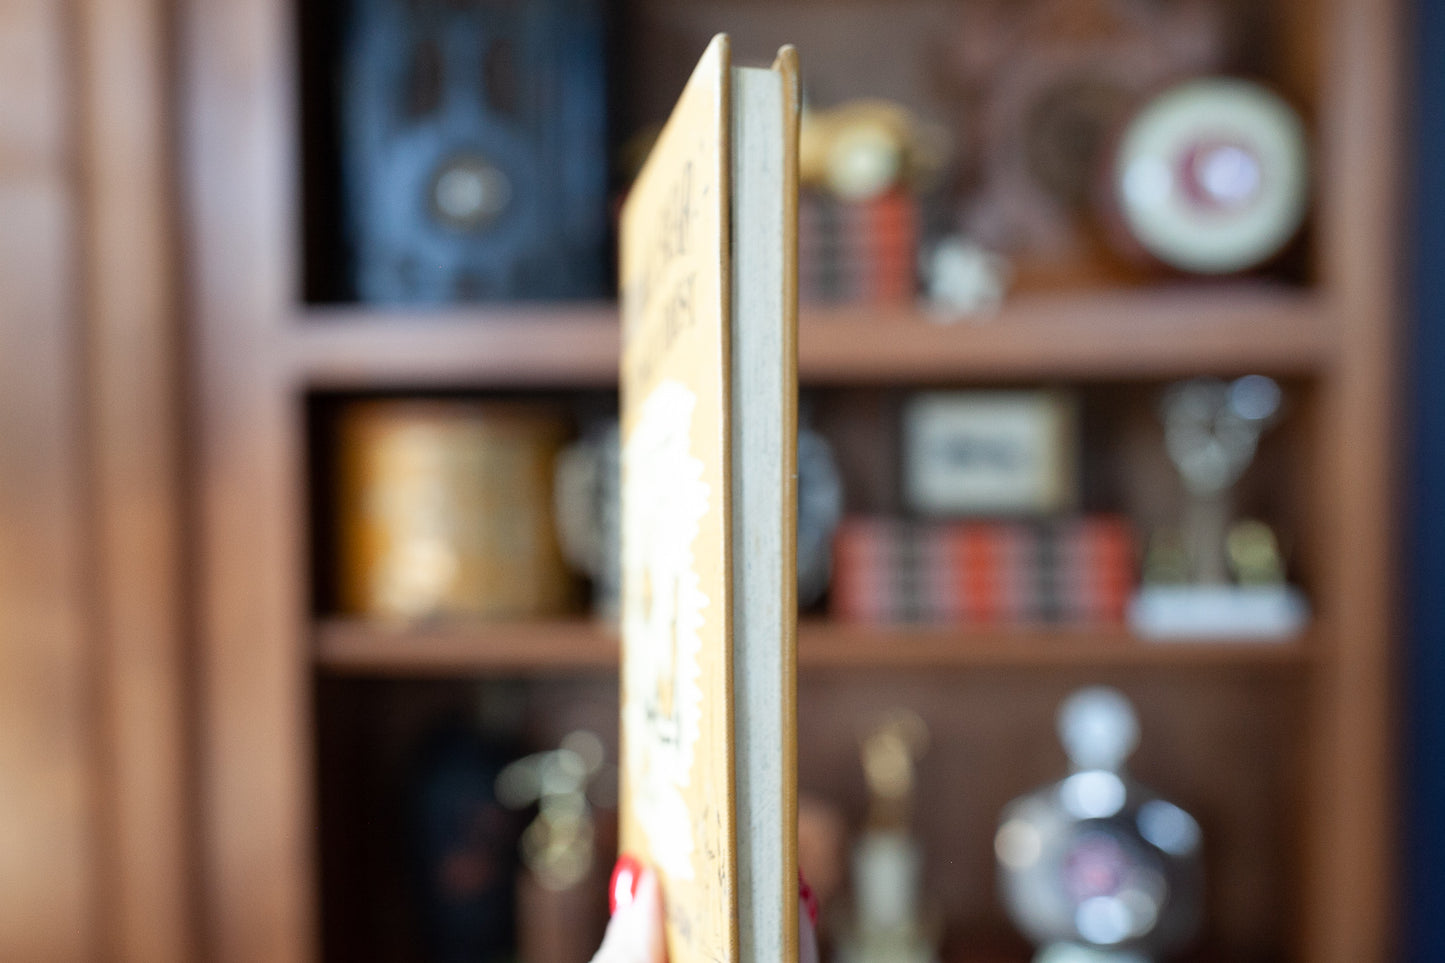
96, 860
255, 355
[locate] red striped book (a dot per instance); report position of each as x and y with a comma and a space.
1072, 570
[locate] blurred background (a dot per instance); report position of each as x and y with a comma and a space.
1119, 467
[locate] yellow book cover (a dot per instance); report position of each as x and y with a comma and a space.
694, 742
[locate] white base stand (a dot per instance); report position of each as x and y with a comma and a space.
1074, 953
1178, 612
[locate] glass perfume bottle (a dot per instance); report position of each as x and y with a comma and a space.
1097, 868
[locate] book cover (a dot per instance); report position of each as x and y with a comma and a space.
685, 724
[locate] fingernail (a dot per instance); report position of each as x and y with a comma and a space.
805, 893
623, 888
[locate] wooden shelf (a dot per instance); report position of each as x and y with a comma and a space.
841, 645
564, 345
543, 647
1228, 327
462, 647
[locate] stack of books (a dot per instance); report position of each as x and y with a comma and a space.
861, 252
1067, 571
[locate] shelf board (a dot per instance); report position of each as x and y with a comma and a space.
543, 647
460, 647
571, 344
845, 645
1223, 327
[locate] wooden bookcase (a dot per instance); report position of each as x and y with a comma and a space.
1312, 793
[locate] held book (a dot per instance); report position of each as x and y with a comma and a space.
709, 423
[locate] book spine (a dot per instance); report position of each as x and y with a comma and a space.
1074, 571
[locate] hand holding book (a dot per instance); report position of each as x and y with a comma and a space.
635, 934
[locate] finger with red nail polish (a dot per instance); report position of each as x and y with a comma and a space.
807, 922
623, 888
810, 902
635, 933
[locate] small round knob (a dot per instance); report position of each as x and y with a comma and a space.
1098, 728
468, 192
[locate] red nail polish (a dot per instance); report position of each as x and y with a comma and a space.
623, 888
810, 901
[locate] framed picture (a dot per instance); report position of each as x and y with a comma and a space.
990, 452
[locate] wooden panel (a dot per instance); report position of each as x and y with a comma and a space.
1350, 880
46, 842
258, 878
47, 867
134, 433
1150, 332
33, 114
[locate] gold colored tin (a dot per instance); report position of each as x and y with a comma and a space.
444, 508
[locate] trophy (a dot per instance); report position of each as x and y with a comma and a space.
888, 924
1216, 576
559, 917
1096, 868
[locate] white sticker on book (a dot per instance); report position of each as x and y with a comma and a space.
663, 611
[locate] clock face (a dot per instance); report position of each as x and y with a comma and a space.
1212, 176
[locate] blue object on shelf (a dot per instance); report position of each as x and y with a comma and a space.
463, 847
474, 149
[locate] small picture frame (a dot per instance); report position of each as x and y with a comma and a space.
991, 453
